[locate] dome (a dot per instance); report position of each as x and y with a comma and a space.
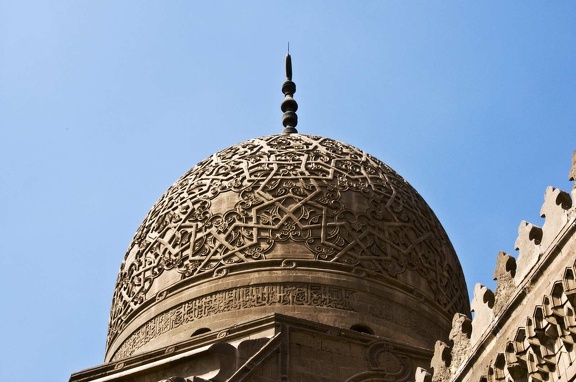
295, 224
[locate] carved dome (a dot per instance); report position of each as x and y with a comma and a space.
295, 224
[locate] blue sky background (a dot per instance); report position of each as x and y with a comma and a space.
104, 104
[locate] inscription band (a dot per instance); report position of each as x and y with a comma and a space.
235, 299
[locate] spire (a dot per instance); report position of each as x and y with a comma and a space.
289, 105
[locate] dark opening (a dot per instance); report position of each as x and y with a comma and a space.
362, 329
200, 331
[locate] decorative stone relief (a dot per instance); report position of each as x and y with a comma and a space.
543, 342
381, 357
326, 200
234, 299
385, 365
542, 347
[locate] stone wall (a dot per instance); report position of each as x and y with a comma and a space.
526, 329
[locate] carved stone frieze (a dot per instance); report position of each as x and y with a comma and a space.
288, 196
293, 294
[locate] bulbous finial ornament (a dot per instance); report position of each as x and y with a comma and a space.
289, 105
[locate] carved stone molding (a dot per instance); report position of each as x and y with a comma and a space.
385, 365
287, 196
292, 294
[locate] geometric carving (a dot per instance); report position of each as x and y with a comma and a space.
287, 197
498, 368
542, 347
396, 367
538, 348
553, 305
569, 284
544, 342
385, 365
515, 363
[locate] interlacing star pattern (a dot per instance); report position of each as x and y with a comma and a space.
339, 203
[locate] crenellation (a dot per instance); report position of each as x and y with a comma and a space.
533, 328
460, 338
504, 276
557, 204
528, 245
440, 363
482, 306
295, 257
541, 347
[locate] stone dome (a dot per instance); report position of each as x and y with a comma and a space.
295, 224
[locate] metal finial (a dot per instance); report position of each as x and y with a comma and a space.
288, 67
289, 105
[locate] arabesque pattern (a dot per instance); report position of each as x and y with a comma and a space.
328, 200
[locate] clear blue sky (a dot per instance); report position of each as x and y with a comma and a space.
104, 104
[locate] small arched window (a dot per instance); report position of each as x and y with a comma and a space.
201, 331
362, 329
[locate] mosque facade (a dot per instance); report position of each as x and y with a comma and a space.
294, 257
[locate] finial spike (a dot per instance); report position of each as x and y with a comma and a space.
288, 67
289, 105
